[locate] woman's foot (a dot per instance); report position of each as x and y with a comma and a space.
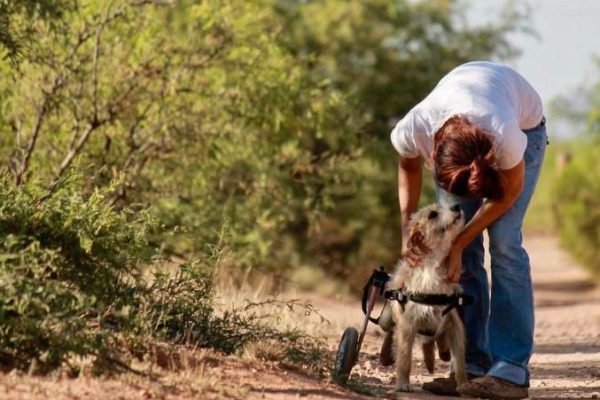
491, 387
444, 386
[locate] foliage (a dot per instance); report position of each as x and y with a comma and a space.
65, 261
238, 125
577, 189
388, 55
17, 21
578, 213
72, 284
581, 107
226, 127
540, 218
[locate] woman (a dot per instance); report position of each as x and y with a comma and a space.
482, 131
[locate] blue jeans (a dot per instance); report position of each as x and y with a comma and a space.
499, 327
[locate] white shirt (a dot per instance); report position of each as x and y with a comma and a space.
493, 97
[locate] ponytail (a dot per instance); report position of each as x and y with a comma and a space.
465, 161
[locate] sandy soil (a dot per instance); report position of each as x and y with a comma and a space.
565, 365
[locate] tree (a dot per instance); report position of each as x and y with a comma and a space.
194, 106
580, 109
391, 53
268, 118
17, 19
388, 55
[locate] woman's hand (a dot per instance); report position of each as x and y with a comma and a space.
454, 264
489, 212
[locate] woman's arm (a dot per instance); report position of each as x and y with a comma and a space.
410, 180
489, 211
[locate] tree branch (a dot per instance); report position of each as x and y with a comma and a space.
22, 169
74, 151
95, 71
78, 141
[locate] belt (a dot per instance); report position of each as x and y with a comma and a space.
541, 124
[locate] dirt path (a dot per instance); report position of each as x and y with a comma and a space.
566, 363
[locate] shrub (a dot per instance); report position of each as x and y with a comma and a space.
577, 208
65, 264
78, 277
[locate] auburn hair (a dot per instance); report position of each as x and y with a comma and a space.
465, 161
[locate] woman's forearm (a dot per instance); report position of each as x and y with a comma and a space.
484, 217
491, 210
410, 180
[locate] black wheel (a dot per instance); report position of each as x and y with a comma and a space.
346, 356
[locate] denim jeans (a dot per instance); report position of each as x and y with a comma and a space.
499, 325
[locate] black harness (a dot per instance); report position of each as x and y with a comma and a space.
379, 278
451, 301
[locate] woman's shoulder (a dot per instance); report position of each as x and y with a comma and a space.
412, 134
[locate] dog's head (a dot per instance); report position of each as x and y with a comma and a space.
432, 230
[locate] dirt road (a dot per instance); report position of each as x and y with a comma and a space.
566, 363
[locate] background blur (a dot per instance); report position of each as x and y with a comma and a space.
244, 139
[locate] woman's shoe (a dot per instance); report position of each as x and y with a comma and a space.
444, 386
491, 387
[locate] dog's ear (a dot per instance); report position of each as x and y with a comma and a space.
416, 249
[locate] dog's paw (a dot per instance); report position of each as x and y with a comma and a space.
403, 387
445, 355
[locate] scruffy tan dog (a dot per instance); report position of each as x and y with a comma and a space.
421, 272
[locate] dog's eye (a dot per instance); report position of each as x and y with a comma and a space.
432, 214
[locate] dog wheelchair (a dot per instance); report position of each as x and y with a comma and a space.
351, 341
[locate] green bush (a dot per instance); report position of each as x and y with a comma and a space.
540, 217
577, 208
78, 277
64, 271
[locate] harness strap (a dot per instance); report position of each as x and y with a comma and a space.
378, 279
451, 301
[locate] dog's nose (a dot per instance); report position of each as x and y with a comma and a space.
455, 208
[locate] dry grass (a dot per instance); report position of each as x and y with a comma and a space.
269, 350
170, 371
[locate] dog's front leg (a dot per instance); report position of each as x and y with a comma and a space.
456, 336
405, 337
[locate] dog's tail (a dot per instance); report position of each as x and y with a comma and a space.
429, 355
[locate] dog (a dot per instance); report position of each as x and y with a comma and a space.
422, 270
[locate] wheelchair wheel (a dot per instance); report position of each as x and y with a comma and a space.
346, 356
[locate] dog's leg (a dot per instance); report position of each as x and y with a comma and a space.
429, 355
456, 336
443, 347
386, 319
405, 337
